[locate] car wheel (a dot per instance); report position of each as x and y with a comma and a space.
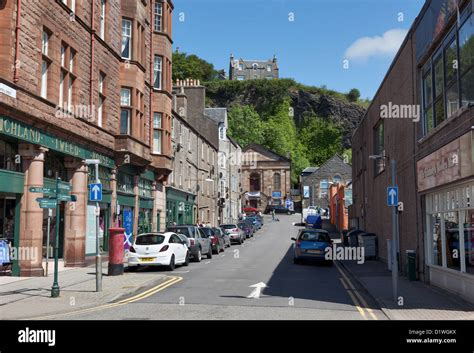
209, 253
198, 256
223, 248
329, 263
132, 268
296, 261
186, 260
172, 264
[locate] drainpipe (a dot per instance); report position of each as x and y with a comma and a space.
151, 77
91, 82
16, 75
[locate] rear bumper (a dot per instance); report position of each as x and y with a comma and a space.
134, 260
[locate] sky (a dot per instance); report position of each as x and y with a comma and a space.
341, 44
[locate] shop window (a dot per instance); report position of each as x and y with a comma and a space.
9, 157
54, 167
125, 183
104, 176
145, 187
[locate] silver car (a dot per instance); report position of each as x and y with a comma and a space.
198, 244
236, 234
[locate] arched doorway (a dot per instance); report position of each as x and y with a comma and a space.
254, 182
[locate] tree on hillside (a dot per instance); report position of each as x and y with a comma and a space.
321, 138
245, 125
192, 67
353, 95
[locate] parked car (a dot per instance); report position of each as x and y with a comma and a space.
206, 233
216, 242
198, 245
255, 221
247, 228
158, 249
310, 244
224, 236
236, 234
278, 209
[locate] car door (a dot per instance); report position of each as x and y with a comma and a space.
179, 248
205, 241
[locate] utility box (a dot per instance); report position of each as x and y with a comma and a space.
411, 265
369, 242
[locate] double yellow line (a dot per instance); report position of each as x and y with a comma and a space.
357, 299
167, 283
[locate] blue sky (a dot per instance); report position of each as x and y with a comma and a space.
312, 48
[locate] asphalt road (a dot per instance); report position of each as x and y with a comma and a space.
219, 288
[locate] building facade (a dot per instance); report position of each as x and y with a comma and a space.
82, 80
190, 105
265, 178
432, 74
241, 69
315, 182
229, 168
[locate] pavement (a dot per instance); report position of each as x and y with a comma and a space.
30, 298
417, 300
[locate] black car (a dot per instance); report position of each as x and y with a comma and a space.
279, 209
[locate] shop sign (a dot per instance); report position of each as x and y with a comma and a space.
450, 163
21, 131
7, 90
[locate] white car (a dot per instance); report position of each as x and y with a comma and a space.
158, 249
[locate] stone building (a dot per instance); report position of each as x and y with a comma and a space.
315, 182
242, 69
202, 152
265, 177
83, 80
229, 168
432, 144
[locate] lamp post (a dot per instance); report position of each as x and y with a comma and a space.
98, 259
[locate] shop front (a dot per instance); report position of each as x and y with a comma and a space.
180, 207
446, 183
32, 158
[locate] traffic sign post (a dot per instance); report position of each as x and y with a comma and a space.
392, 201
392, 196
95, 194
55, 197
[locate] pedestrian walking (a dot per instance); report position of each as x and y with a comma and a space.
273, 214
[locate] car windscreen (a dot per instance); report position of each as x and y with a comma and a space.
228, 226
180, 230
150, 239
207, 231
243, 225
315, 236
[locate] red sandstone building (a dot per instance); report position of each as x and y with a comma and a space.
83, 79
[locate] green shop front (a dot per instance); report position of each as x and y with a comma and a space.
135, 211
180, 207
20, 146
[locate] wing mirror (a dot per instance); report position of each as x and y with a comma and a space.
294, 239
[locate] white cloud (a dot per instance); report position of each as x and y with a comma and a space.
386, 45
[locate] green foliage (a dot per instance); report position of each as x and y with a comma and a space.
321, 138
192, 67
353, 95
245, 125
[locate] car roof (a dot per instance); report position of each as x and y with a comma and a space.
314, 230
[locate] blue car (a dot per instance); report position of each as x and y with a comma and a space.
310, 244
255, 221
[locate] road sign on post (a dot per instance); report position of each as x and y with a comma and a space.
392, 196
95, 192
